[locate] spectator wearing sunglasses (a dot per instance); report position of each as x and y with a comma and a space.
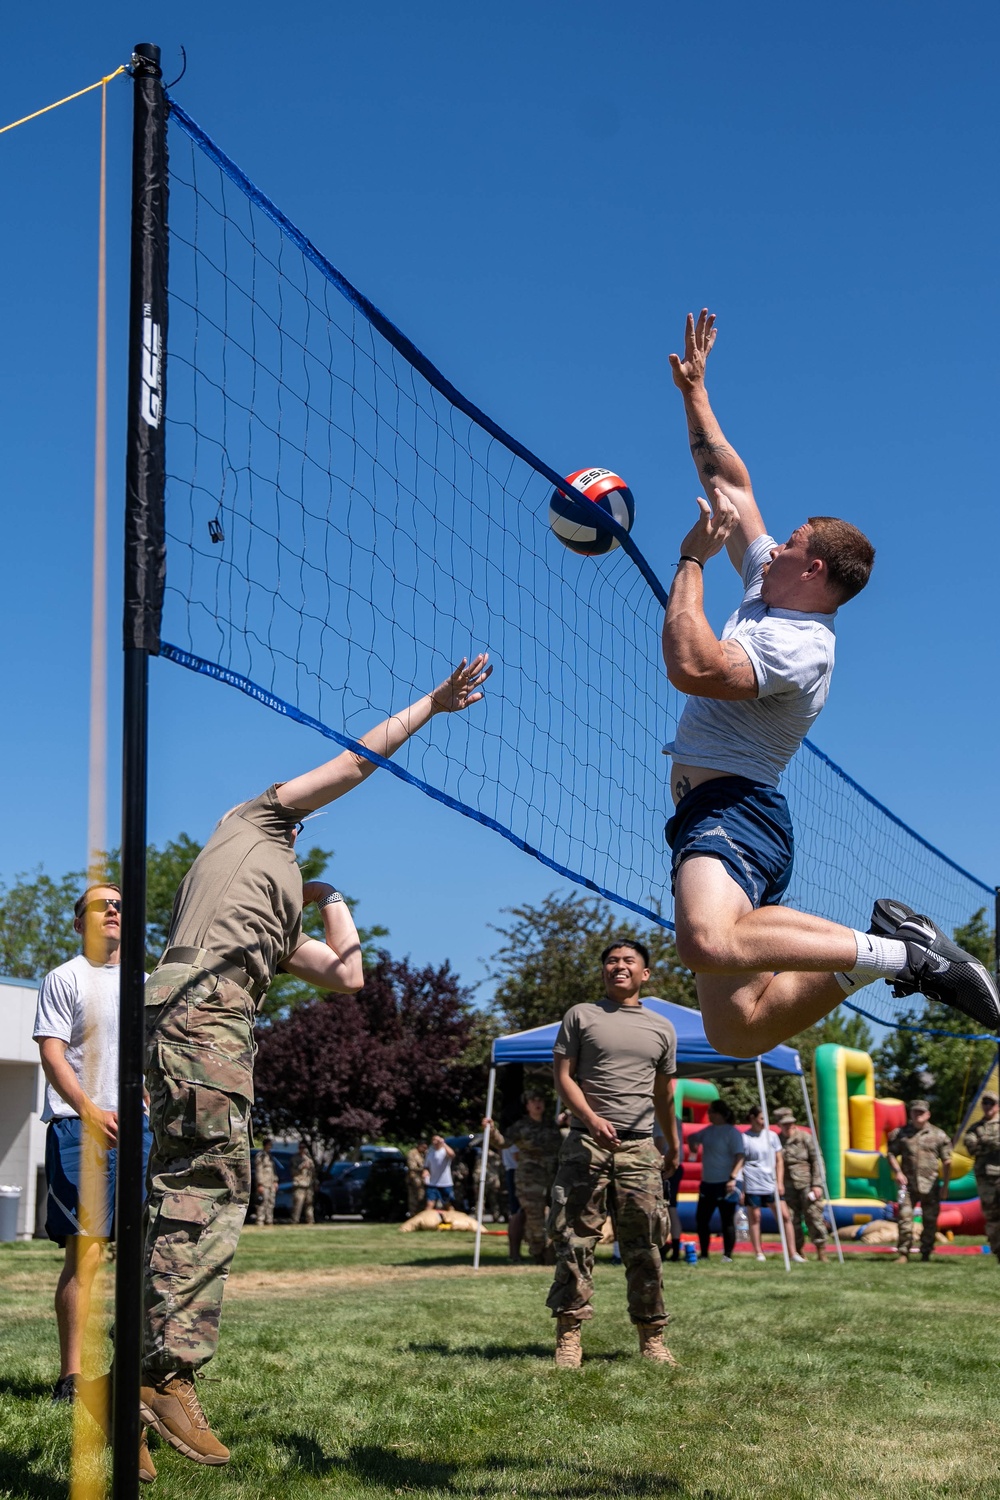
76, 1028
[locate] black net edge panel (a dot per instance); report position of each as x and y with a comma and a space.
343, 527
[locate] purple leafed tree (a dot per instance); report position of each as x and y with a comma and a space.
386, 1062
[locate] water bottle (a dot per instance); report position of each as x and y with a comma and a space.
741, 1224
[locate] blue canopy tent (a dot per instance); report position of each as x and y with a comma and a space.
696, 1058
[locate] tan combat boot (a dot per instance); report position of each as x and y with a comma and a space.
147, 1469
651, 1345
172, 1407
569, 1350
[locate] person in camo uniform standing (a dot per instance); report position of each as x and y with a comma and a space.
803, 1183
266, 1177
537, 1139
237, 918
303, 1186
915, 1152
982, 1142
615, 1062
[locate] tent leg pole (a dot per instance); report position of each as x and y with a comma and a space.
484, 1157
779, 1213
822, 1169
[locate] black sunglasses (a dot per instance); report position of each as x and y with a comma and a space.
104, 903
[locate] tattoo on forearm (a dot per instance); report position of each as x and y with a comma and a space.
706, 453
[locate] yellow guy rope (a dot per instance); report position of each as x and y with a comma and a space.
101, 82
87, 1470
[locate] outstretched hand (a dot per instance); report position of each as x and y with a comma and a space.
459, 690
713, 528
698, 340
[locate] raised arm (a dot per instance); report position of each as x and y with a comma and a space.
719, 466
697, 661
348, 770
335, 963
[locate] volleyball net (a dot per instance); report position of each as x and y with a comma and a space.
344, 525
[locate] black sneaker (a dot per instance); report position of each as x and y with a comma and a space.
943, 971
888, 916
64, 1388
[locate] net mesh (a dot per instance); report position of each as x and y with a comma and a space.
343, 527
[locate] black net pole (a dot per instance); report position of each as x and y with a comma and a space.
144, 577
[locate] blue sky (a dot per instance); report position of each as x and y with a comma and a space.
537, 194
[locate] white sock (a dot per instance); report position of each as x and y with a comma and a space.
878, 958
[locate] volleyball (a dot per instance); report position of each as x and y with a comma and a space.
606, 491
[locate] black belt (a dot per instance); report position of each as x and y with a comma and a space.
623, 1135
200, 958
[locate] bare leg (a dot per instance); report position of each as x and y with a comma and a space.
83, 1257
734, 951
753, 1222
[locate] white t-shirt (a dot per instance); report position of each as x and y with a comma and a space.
78, 1003
792, 655
759, 1152
438, 1164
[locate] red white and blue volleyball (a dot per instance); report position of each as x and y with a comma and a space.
605, 491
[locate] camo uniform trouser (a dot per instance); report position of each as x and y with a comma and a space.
199, 1073
590, 1182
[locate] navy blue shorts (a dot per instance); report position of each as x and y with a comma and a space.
743, 823
65, 1216
440, 1197
760, 1200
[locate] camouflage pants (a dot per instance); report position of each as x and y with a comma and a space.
302, 1205
265, 1205
416, 1195
199, 1073
989, 1197
534, 1183
591, 1181
930, 1203
800, 1206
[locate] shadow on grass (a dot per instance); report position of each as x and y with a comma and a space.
23, 1390
507, 1351
17, 1477
377, 1465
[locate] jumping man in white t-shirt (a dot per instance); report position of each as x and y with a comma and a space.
765, 971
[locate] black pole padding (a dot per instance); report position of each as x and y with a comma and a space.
145, 568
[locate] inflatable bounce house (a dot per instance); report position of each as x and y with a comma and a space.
853, 1127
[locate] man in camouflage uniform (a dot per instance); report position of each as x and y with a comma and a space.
237, 919
416, 1193
303, 1186
614, 1061
266, 1176
982, 1142
803, 1183
537, 1140
915, 1151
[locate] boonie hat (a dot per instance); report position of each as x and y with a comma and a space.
783, 1117
988, 1097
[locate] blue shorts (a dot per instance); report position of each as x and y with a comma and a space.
63, 1167
743, 823
759, 1200
442, 1195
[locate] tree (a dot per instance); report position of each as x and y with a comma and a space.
36, 916
389, 1061
551, 959
944, 1070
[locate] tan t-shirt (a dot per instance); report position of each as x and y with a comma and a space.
618, 1050
241, 900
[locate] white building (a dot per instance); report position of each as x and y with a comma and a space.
22, 1096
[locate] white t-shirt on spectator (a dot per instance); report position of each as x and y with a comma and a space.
78, 1004
438, 1164
758, 1168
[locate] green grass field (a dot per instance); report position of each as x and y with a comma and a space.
358, 1361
